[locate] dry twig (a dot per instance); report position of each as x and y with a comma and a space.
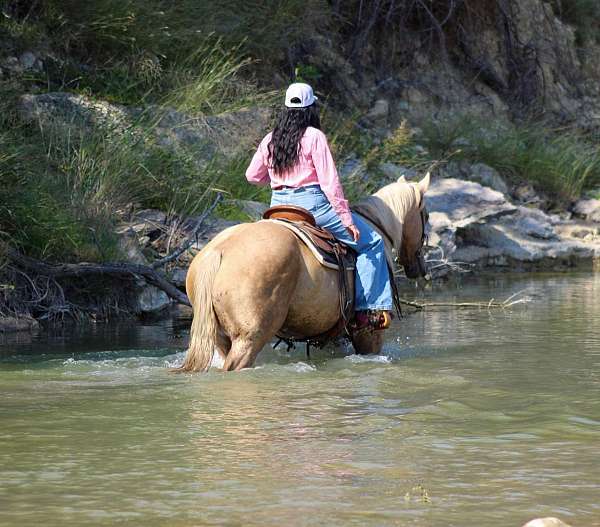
511, 301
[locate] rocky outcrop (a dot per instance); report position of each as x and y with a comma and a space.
203, 137
479, 227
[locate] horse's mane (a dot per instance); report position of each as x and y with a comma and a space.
387, 208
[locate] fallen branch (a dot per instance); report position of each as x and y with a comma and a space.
511, 301
88, 269
193, 237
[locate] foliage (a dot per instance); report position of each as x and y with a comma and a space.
559, 161
63, 193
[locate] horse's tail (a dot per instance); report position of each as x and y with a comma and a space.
204, 324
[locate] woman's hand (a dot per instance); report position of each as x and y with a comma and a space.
354, 232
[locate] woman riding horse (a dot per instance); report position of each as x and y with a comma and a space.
295, 159
254, 281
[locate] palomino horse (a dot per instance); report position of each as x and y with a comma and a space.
255, 280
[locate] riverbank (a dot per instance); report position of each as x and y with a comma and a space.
119, 126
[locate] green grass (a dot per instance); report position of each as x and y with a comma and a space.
131, 50
560, 162
63, 192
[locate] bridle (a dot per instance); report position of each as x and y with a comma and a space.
424, 236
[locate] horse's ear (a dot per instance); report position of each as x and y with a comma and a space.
401, 179
424, 183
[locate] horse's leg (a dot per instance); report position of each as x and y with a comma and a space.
243, 353
367, 341
223, 344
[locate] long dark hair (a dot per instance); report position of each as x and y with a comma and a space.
284, 147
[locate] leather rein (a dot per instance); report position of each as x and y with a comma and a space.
424, 219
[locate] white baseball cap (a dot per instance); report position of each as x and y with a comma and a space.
299, 95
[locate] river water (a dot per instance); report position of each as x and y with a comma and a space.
470, 418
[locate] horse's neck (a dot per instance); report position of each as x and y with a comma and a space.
386, 210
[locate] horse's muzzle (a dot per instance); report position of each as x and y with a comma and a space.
416, 269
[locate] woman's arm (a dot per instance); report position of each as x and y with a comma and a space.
257, 172
329, 179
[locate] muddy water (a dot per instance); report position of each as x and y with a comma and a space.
469, 418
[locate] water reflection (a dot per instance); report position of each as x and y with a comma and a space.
472, 418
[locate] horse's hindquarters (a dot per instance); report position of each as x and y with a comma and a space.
314, 308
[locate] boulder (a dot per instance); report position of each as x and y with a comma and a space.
478, 172
146, 222
379, 111
392, 171
587, 209
546, 522
151, 300
129, 246
525, 193
476, 225
30, 62
488, 177
454, 202
178, 276
17, 324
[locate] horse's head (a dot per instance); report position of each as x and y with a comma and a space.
414, 233
398, 211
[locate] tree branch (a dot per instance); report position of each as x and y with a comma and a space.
88, 269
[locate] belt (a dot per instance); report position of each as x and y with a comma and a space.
286, 187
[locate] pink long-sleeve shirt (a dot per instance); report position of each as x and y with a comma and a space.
315, 166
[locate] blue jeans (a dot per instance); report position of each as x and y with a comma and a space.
372, 284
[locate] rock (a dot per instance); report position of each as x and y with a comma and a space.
73, 110
146, 222
14, 324
152, 300
392, 171
546, 522
254, 209
525, 193
455, 202
211, 228
479, 172
352, 168
529, 225
588, 209
478, 226
205, 137
12, 65
488, 177
379, 111
581, 232
130, 247
29, 61
178, 276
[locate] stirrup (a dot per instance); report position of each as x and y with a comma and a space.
372, 318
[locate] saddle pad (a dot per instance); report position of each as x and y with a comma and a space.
324, 258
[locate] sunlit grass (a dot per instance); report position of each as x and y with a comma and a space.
561, 162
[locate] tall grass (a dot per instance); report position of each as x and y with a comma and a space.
561, 162
141, 49
62, 193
